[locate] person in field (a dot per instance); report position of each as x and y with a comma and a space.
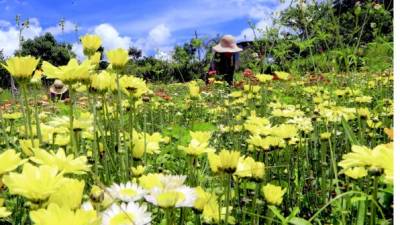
225, 58
58, 91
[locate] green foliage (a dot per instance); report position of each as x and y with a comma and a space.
47, 48
5, 95
379, 55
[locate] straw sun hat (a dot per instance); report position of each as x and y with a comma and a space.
58, 87
227, 44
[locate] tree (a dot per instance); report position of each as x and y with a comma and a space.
47, 48
134, 53
5, 77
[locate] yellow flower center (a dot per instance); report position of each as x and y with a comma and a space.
122, 218
128, 192
170, 199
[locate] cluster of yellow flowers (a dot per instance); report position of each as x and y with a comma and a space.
46, 184
232, 163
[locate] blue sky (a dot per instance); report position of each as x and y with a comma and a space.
152, 25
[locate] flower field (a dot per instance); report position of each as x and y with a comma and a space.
274, 149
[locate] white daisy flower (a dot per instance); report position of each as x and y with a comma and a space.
126, 214
172, 181
183, 196
128, 192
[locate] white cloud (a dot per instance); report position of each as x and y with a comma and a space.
163, 55
9, 41
111, 38
9, 36
260, 27
56, 30
264, 17
158, 39
78, 50
159, 34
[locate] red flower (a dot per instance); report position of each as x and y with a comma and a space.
212, 73
248, 73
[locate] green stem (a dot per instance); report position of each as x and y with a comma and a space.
38, 130
374, 195
95, 141
27, 112
227, 197
71, 123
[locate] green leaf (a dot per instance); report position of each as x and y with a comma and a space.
349, 133
203, 126
299, 221
277, 212
294, 212
248, 185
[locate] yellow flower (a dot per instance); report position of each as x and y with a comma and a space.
133, 86
37, 77
95, 58
202, 199
284, 131
35, 183
360, 156
363, 99
282, 75
226, 161
12, 116
169, 199
213, 214
26, 146
104, 81
364, 113
194, 89
325, 135
63, 216
248, 167
181, 196
67, 164
273, 194
356, 172
244, 167
138, 171
4, 212
236, 94
118, 57
144, 142
383, 157
70, 72
21, 66
9, 161
90, 44
199, 144
263, 77
70, 195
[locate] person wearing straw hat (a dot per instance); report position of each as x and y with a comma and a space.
58, 91
225, 58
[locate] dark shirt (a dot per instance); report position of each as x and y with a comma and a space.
63, 96
224, 64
